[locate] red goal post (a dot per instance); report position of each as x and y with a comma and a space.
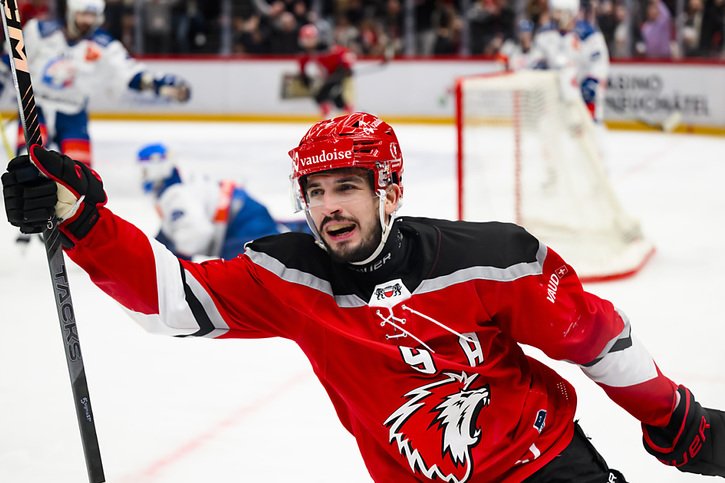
527, 152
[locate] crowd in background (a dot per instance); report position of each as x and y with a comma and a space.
632, 28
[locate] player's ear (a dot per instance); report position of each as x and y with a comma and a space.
392, 198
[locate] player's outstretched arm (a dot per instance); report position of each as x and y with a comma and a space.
167, 86
694, 439
46, 183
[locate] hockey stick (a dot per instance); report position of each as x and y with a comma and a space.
388, 54
56, 263
668, 124
6, 142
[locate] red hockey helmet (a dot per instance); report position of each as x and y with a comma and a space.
309, 36
357, 140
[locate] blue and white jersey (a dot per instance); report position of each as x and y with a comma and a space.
66, 73
581, 57
202, 217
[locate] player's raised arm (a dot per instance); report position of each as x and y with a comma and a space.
162, 293
579, 327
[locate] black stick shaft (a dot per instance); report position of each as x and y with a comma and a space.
56, 261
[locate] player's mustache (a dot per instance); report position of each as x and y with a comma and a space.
329, 219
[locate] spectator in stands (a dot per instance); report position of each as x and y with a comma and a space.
195, 29
538, 12
424, 28
283, 35
448, 33
607, 21
492, 23
372, 39
712, 33
248, 37
621, 45
657, 31
157, 26
391, 19
345, 33
33, 9
691, 23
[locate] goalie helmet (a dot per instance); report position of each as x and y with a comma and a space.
157, 168
84, 6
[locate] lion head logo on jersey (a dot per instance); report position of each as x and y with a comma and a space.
437, 427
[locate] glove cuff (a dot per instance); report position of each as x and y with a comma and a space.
79, 225
665, 439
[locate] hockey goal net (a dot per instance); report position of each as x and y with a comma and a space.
527, 155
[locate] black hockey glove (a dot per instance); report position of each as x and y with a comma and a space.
694, 439
29, 196
69, 190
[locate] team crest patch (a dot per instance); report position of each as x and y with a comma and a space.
389, 294
437, 427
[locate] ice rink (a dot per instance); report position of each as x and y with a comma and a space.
189, 411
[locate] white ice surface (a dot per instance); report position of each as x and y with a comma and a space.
186, 411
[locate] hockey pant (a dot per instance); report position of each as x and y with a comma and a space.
579, 462
68, 133
332, 89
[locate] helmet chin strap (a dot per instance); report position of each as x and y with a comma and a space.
386, 230
383, 238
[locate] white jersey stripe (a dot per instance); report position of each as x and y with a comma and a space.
628, 367
506, 274
177, 316
211, 311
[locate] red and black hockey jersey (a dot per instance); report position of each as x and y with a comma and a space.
419, 355
329, 61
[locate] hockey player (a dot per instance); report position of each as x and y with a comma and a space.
431, 311
577, 51
69, 62
514, 52
334, 65
201, 217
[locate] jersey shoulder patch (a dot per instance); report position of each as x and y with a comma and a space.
547, 28
102, 37
584, 29
48, 27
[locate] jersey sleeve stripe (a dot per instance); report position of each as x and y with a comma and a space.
625, 365
211, 323
621, 342
184, 307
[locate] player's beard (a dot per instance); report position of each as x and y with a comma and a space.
82, 30
363, 250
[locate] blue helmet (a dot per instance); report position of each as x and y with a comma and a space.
157, 169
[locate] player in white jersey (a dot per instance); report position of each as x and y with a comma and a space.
201, 217
578, 51
72, 61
